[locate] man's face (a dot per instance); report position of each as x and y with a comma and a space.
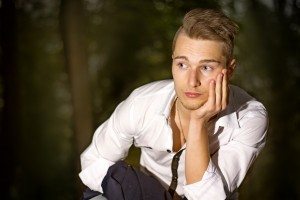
195, 63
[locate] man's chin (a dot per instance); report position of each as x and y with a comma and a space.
192, 106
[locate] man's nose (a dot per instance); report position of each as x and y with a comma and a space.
194, 79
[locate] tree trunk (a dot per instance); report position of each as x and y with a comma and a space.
9, 132
71, 21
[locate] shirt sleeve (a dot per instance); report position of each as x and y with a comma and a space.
111, 142
229, 165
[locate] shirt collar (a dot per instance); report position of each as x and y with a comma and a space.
169, 103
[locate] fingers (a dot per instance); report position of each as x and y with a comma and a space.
225, 92
218, 91
221, 91
211, 94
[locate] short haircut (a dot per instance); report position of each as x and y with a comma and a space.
209, 24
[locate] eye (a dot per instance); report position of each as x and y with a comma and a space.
181, 65
207, 68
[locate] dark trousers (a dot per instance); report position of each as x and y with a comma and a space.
124, 182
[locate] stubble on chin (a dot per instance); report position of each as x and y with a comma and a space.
192, 106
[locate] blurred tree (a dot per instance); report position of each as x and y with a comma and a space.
10, 102
43, 170
72, 20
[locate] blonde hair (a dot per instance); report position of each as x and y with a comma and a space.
209, 24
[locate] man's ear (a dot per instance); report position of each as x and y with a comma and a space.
231, 68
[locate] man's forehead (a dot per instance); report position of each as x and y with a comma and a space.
187, 48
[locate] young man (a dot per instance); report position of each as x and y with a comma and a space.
218, 128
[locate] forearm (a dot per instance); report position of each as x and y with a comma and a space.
197, 151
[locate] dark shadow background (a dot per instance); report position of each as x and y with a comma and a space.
66, 64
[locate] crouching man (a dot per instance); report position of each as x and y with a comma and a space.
197, 133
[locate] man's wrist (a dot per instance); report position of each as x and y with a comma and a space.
198, 123
197, 128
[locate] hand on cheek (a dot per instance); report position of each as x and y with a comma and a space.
217, 97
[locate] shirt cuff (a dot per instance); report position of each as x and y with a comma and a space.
93, 175
209, 187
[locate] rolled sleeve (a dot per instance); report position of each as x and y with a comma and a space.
92, 176
210, 186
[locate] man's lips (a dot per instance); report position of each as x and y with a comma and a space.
192, 94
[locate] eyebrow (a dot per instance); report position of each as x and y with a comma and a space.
201, 61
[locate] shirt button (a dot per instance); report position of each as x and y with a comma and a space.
168, 150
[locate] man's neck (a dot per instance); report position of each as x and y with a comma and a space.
182, 111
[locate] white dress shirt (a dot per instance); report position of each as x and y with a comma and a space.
236, 136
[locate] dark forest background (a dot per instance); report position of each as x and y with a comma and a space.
66, 64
